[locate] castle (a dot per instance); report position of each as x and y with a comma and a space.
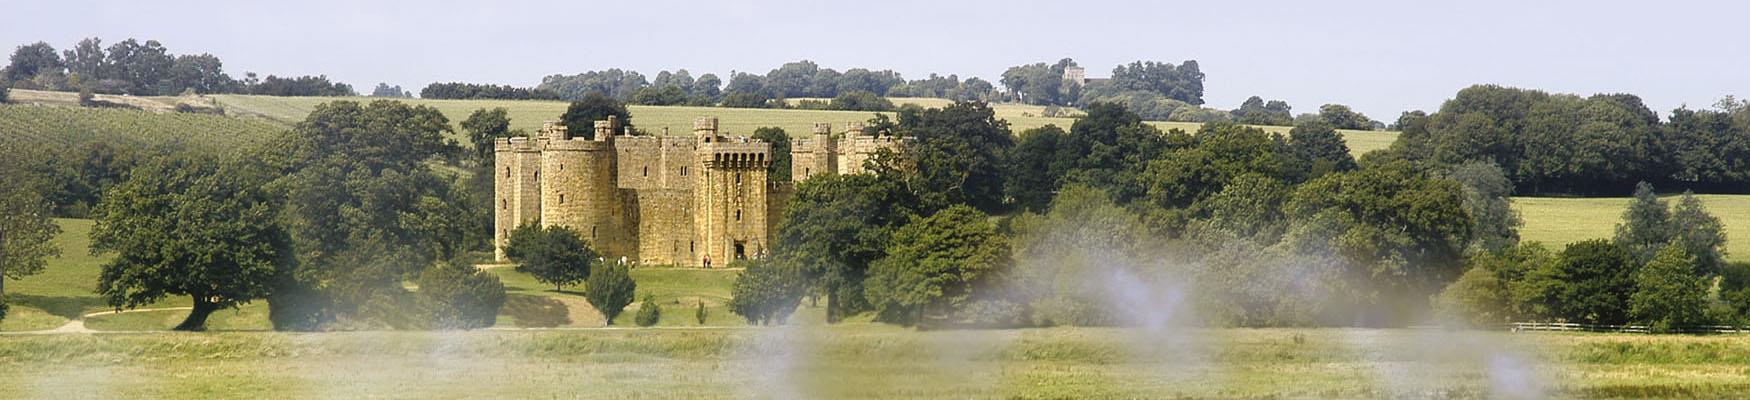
674, 200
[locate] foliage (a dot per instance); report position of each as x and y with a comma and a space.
364, 208
934, 264
1218, 153
457, 296
613, 83
1341, 117
1646, 225
1041, 83
1488, 200
1735, 288
1254, 111
779, 170
300, 86
1400, 231
187, 226
460, 90
484, 128
1667, 293
767, 292
1700, 234
384, 90
1183, 82
1316, 149
610, 290
1107, 149
29, 60
555, 255
1060, 255
649, 312
700, 313
25, 228
581, 116
860, 101
835, 226
959, 155
1586, 284
1493, 288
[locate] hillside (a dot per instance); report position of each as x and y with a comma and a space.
1557, 221
48, 126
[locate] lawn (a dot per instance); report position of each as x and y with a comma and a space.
875, 361
1558, 221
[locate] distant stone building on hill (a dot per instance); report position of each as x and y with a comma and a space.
672, 200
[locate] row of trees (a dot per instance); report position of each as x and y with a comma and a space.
1253, 228
1567, 144
747, 90
459, 90
1141, 81
1659, 270
146, 69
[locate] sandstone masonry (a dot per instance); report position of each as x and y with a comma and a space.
661, 199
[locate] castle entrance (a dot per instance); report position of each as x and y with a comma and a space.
740, 250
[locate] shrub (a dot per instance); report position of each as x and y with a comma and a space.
1667, 293
5, 92
649, 313
610, 290
767, 291
555, 255
700, 314
459, 297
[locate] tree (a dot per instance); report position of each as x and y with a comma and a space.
1586, 284
364, 208
1341, 117
1646, 225
1254, 111
934, 263
767, 292
1182, 83
484, 127
30, 60
613, 83
779, 170
700, 313
1400, 230
143, 67
666, 95
26, 232
188, 227
580, 117
1668, 294
1488, 200
1316, 149
458, 296
835, 226
384, 90
649, 313
1492, 291
85, 62
555, 255
858, 100
959, 155
203, 74
1036, 165
610, 290
1700, 233
1735, 289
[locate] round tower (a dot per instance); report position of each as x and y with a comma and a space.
578, 190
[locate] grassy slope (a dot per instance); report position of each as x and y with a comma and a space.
874, 361
528, 115
1559, 221
47, 126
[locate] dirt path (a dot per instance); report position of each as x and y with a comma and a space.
78, 325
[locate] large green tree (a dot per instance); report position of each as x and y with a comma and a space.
1488, 199
579, 118
779, 171
1700, 234
26, 232
365, 209
959, 156
1589, 283
835, 226
1668, 294
934, 265
30, 60
1646, 225
555, 255
459, 296
484, 127
1316, 149
187, 227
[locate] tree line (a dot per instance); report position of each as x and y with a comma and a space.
747, 90
1567, 144
146, 69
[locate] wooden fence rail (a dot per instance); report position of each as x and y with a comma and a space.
1568, 327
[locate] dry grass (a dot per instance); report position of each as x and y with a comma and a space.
1558, 221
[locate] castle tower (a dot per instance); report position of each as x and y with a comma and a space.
815, 155
730, 202
578, 189
516, 190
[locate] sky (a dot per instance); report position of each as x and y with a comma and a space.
1380, 57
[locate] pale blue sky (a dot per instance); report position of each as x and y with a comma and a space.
1381, 57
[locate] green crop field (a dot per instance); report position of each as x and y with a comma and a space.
862, 360
1559, 221
46, 127
528, 115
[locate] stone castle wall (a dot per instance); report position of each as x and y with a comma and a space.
659, 200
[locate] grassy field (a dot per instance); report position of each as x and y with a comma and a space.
1559, 221
46, 127
528, 115
874, 361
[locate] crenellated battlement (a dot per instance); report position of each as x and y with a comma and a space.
660, 199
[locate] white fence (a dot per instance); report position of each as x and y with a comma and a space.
1541, 326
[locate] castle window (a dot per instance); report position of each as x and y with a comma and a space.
807, 171
537, 175
592, 234
690, 246
737, 215
507, 172
505, 204
683, 171
646, 170
738, 179
561, 198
